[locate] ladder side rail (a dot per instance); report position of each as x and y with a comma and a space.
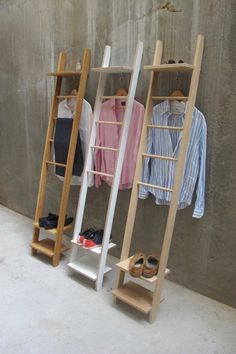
138, 172
178, 178
89, 157
119, 163
47, 148
71, 154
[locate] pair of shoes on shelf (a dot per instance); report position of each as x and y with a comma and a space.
90, 238
172, 61
147, 266
51, 221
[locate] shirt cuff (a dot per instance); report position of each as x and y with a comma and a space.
198, 212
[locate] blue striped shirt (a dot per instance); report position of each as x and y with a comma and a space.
167, 142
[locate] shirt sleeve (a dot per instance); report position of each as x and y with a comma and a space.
200, 201
143, 190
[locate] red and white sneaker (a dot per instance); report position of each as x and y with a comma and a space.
94, 239
83, 235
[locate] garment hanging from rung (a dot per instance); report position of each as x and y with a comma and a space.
66, 109
109, 136
166, 142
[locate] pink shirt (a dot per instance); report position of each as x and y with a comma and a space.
108, 135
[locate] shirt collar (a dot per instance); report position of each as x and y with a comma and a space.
114, 103
166, 109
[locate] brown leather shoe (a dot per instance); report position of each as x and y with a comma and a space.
136, 265
151, 265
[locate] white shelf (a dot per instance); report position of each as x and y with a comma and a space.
96, 250
88, 266
114, 69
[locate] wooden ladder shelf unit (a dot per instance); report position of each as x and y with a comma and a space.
129, 292
92, 262
54, 247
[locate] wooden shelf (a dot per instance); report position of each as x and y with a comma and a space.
65, 73
88, 266
135, 295
114, 69
170, 67
124, 265
52, 231
46, 246
96, 250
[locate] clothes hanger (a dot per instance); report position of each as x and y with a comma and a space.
177, 93
177, 106
121, 92
74, 92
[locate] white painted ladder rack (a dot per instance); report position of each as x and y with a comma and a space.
130, 292
92, 263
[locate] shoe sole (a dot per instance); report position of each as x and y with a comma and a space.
88, 248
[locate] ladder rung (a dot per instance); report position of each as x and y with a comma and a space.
68, 96
164, 127
171, 98
65, 73
51, 140
155, 186
103, 148
100, 173
113, 69
108, 122
114, 97
160, 157
56, 163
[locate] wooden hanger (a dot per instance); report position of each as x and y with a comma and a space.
121, 92
177, 93
177, 106
74, 92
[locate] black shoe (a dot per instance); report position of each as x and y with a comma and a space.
52, 224
47, 218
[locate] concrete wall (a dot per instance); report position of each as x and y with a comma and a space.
33, 33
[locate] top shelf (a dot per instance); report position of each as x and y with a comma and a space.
170, 67
65, 73
114, 69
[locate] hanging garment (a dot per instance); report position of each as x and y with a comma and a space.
109, 136
61, 146
66, 109
166, 142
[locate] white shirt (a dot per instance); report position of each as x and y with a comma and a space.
66, 109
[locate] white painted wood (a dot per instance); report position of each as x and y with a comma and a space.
114, 70
88, 266
102, 251
96, 250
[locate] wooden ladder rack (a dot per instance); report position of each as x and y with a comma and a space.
129, 292
92, 267
49, 247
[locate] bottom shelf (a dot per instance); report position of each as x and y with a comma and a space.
46, 246
87, 266
135, 295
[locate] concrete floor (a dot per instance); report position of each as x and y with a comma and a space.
45, 311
